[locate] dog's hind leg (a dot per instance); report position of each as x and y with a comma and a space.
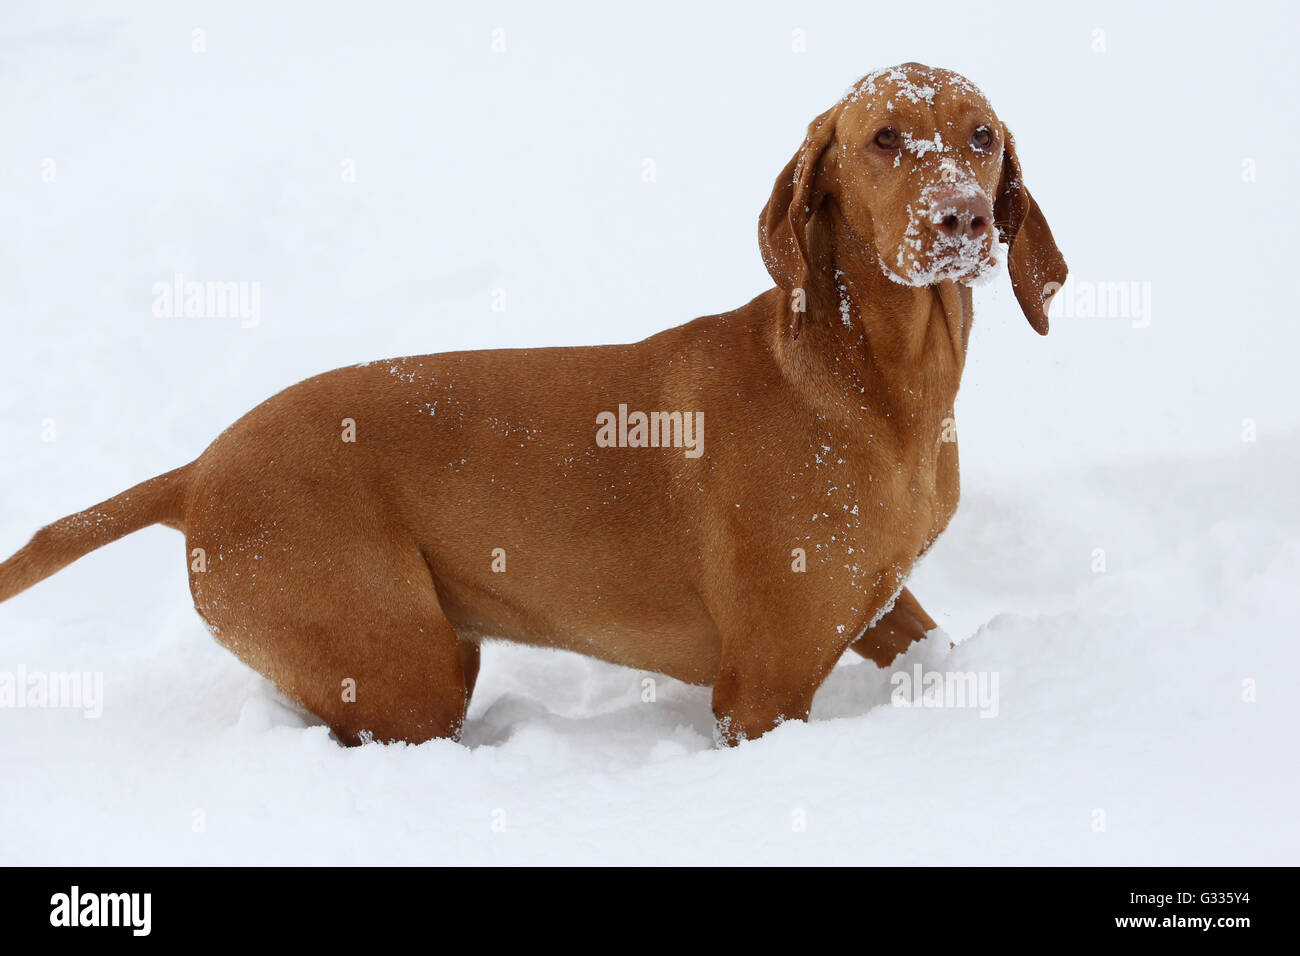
469, 660
378, 674
369, 652
409, 677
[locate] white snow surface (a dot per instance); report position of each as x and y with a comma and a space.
1146, 713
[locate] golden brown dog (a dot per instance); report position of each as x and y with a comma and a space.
732, 502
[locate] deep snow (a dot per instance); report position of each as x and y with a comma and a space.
1144, 710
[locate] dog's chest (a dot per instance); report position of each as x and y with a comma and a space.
862, 505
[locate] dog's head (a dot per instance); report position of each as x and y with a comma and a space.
922, 169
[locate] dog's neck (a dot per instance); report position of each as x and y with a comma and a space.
868, 338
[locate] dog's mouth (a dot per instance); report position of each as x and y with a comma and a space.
965, 259
971, 260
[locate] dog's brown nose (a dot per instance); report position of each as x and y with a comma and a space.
965, 216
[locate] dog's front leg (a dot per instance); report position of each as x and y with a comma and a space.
904, 625
761, 684
748, 704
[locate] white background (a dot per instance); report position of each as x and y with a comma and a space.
1121, 693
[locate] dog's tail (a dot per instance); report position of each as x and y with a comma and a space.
54, 547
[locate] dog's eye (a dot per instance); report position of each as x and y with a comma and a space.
887, 138
982, 137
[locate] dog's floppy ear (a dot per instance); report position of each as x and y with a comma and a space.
783, 225
1036, 266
